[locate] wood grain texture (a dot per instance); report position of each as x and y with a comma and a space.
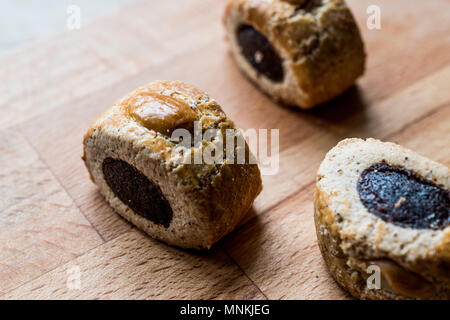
134, 266
61, 147
40, 226
391, 114
429, 136
59, 86
76, 63
279, 252
409, 46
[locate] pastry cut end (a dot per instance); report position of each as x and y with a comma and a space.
383, 208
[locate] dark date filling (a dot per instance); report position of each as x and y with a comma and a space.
259, 53
136, 191
403, 197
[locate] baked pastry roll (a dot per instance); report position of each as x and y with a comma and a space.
382, 221
300, 52
156, 181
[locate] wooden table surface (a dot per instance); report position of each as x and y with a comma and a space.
52, 218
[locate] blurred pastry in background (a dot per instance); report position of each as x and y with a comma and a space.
299, 52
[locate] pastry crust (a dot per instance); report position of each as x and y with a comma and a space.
317, 40
207, 200
414, 263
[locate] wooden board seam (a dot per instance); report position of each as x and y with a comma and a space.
59, 182
242, 270
51, 270
438, 109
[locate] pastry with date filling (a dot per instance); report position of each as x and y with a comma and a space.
300, 52
158, 181
382, 221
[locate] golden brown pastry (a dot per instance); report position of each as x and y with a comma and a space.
300, 52
382, 221
155, 181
